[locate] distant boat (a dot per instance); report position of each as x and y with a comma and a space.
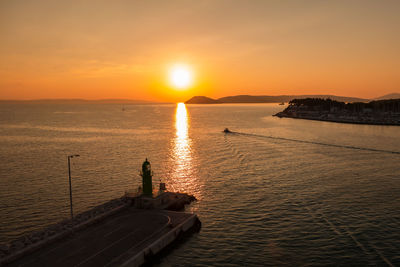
226, 130
282, 103
123, 108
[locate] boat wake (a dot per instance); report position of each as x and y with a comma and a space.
317, 143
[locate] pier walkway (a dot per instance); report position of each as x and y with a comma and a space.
123, 238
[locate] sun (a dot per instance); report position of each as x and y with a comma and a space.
180, 76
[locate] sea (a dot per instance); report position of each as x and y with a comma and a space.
275, 192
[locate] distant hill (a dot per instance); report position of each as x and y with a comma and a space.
267, 99
389, 96
202, 100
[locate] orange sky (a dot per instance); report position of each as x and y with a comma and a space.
122, 49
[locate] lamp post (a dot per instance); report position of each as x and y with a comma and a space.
70, 187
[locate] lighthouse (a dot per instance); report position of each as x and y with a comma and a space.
147, 178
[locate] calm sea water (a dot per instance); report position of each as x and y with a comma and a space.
262, 201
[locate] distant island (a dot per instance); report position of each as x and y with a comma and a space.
278, 99
379, 112
202, 100
265, 99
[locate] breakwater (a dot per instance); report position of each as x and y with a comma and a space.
126, 214
38, 239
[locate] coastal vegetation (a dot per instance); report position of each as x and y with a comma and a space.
382, 112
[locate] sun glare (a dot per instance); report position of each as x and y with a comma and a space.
180, 76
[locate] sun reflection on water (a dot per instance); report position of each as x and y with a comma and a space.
181, 125
183, 173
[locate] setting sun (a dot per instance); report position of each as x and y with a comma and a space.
180, 76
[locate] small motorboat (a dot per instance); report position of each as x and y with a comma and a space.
282, 103
226, 130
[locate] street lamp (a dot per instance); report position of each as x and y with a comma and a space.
70, 187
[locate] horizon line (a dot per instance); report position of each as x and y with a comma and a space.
154, 101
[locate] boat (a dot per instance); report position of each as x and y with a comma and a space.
282, 103
226, 130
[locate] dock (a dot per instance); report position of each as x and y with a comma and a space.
130, 237
128, 231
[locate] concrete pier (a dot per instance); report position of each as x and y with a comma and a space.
129, 237
128, 231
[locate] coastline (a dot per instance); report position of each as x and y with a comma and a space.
382, 112
333, 118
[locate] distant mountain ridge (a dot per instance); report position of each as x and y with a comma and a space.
267, 99
389, 96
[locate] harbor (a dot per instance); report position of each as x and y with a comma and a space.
267, 193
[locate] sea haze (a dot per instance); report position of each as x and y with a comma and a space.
265, 197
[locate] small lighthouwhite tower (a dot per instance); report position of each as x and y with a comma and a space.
147, 176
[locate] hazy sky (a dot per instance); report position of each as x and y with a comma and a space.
123, 49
